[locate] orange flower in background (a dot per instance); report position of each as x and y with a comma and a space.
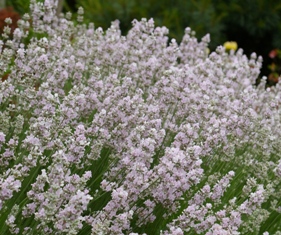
8, 12
273, 77
272, 67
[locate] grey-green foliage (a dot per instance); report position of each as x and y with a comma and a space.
2, 3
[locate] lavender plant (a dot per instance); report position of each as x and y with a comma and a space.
108, 134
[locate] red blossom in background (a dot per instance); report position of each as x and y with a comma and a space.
273, 53
8, 12
274, 67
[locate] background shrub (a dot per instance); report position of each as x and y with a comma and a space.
254, 25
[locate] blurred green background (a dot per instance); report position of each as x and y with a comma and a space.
254, 24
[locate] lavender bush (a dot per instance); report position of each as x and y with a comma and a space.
108, 134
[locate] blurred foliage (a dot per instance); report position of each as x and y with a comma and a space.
20, 6
254, 24
201, 15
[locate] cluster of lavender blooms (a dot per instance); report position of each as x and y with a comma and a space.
108, 134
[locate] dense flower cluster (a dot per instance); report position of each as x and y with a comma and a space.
108, 134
